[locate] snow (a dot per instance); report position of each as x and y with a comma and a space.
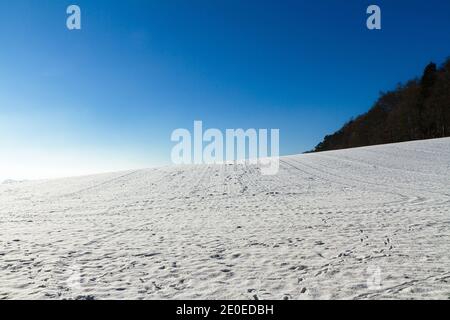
365, 223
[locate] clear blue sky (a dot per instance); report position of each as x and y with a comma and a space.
108, 97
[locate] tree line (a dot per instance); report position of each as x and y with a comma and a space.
418, 109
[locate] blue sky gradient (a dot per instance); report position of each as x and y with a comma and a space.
107, 97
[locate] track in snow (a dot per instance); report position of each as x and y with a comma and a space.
363, 223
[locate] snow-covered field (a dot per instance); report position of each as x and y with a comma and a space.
365, 223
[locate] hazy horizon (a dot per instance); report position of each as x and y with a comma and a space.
107, 97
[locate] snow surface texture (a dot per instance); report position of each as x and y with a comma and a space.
364, 223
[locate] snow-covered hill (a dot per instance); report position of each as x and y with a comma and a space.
363, 223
